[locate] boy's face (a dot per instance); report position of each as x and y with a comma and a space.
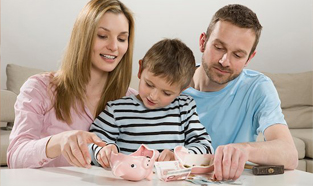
155, 91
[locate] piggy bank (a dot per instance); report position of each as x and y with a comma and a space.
199, 163
135, 166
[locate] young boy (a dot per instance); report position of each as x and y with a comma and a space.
158, 116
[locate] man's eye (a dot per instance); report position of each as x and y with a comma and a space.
237, 56
148, 85
218, 47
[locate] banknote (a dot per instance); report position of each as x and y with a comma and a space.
171, 171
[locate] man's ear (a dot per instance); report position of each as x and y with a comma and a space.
202, 42
251, 56
139, 70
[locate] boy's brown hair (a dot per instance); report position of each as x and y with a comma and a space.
170, 59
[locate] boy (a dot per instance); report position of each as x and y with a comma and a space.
158, 116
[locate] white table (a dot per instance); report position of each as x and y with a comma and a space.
68, 176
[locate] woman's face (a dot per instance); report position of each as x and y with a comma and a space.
111, 42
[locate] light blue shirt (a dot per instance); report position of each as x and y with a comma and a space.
237, 113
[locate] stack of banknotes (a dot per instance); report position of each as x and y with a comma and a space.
173, 171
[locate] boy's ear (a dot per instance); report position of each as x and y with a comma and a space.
139, 70
202, 42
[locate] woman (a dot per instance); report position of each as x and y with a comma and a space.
54, 111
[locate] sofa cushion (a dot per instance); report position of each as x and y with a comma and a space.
8, 99
295, 92
309, 165
301, 165
17, 75
306, 136
299, 117
293, 89
4, 143
300, 146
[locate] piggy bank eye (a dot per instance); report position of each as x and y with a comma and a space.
133, 166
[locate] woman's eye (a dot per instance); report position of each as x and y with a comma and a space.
122, 40
102, 36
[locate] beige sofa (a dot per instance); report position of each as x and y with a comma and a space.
295, 91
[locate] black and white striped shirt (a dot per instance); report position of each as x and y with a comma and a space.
127, 123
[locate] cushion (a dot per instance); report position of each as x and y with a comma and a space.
4, 143
300, 146
299, 117
306, 136
8, 99
309, 165
293, 89
301, 165
17, 75
295, 92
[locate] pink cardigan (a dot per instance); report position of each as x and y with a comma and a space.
35, 123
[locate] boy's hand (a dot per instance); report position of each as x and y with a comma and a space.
105, 154
166, 155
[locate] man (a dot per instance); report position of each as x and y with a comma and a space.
235, 104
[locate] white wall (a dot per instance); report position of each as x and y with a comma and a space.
34, 33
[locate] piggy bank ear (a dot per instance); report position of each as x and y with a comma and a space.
180, 153
156, 154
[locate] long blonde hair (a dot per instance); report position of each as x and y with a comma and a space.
70, 82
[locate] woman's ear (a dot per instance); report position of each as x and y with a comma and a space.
140, 70
202, 42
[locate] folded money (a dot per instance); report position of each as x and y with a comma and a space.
171, 171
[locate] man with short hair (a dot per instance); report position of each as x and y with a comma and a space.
236, 104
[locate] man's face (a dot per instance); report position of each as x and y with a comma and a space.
226, 52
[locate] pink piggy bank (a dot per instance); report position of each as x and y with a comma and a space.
136, 166
199, 163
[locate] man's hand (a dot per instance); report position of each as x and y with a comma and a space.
104, 155
229, 161
166, 155
73, 146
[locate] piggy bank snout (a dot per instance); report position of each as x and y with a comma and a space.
147, 163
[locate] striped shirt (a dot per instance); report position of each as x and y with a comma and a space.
127, 123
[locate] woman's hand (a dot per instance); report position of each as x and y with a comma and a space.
104, 155
73, 145
166, 155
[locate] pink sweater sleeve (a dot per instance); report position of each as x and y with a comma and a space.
27, 145
131, 91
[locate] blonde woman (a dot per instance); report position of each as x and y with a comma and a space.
54, 111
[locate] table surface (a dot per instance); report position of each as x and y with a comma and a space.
67, 176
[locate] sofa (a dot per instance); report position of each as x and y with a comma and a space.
295, 91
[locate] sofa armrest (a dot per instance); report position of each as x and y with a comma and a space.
8, 99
